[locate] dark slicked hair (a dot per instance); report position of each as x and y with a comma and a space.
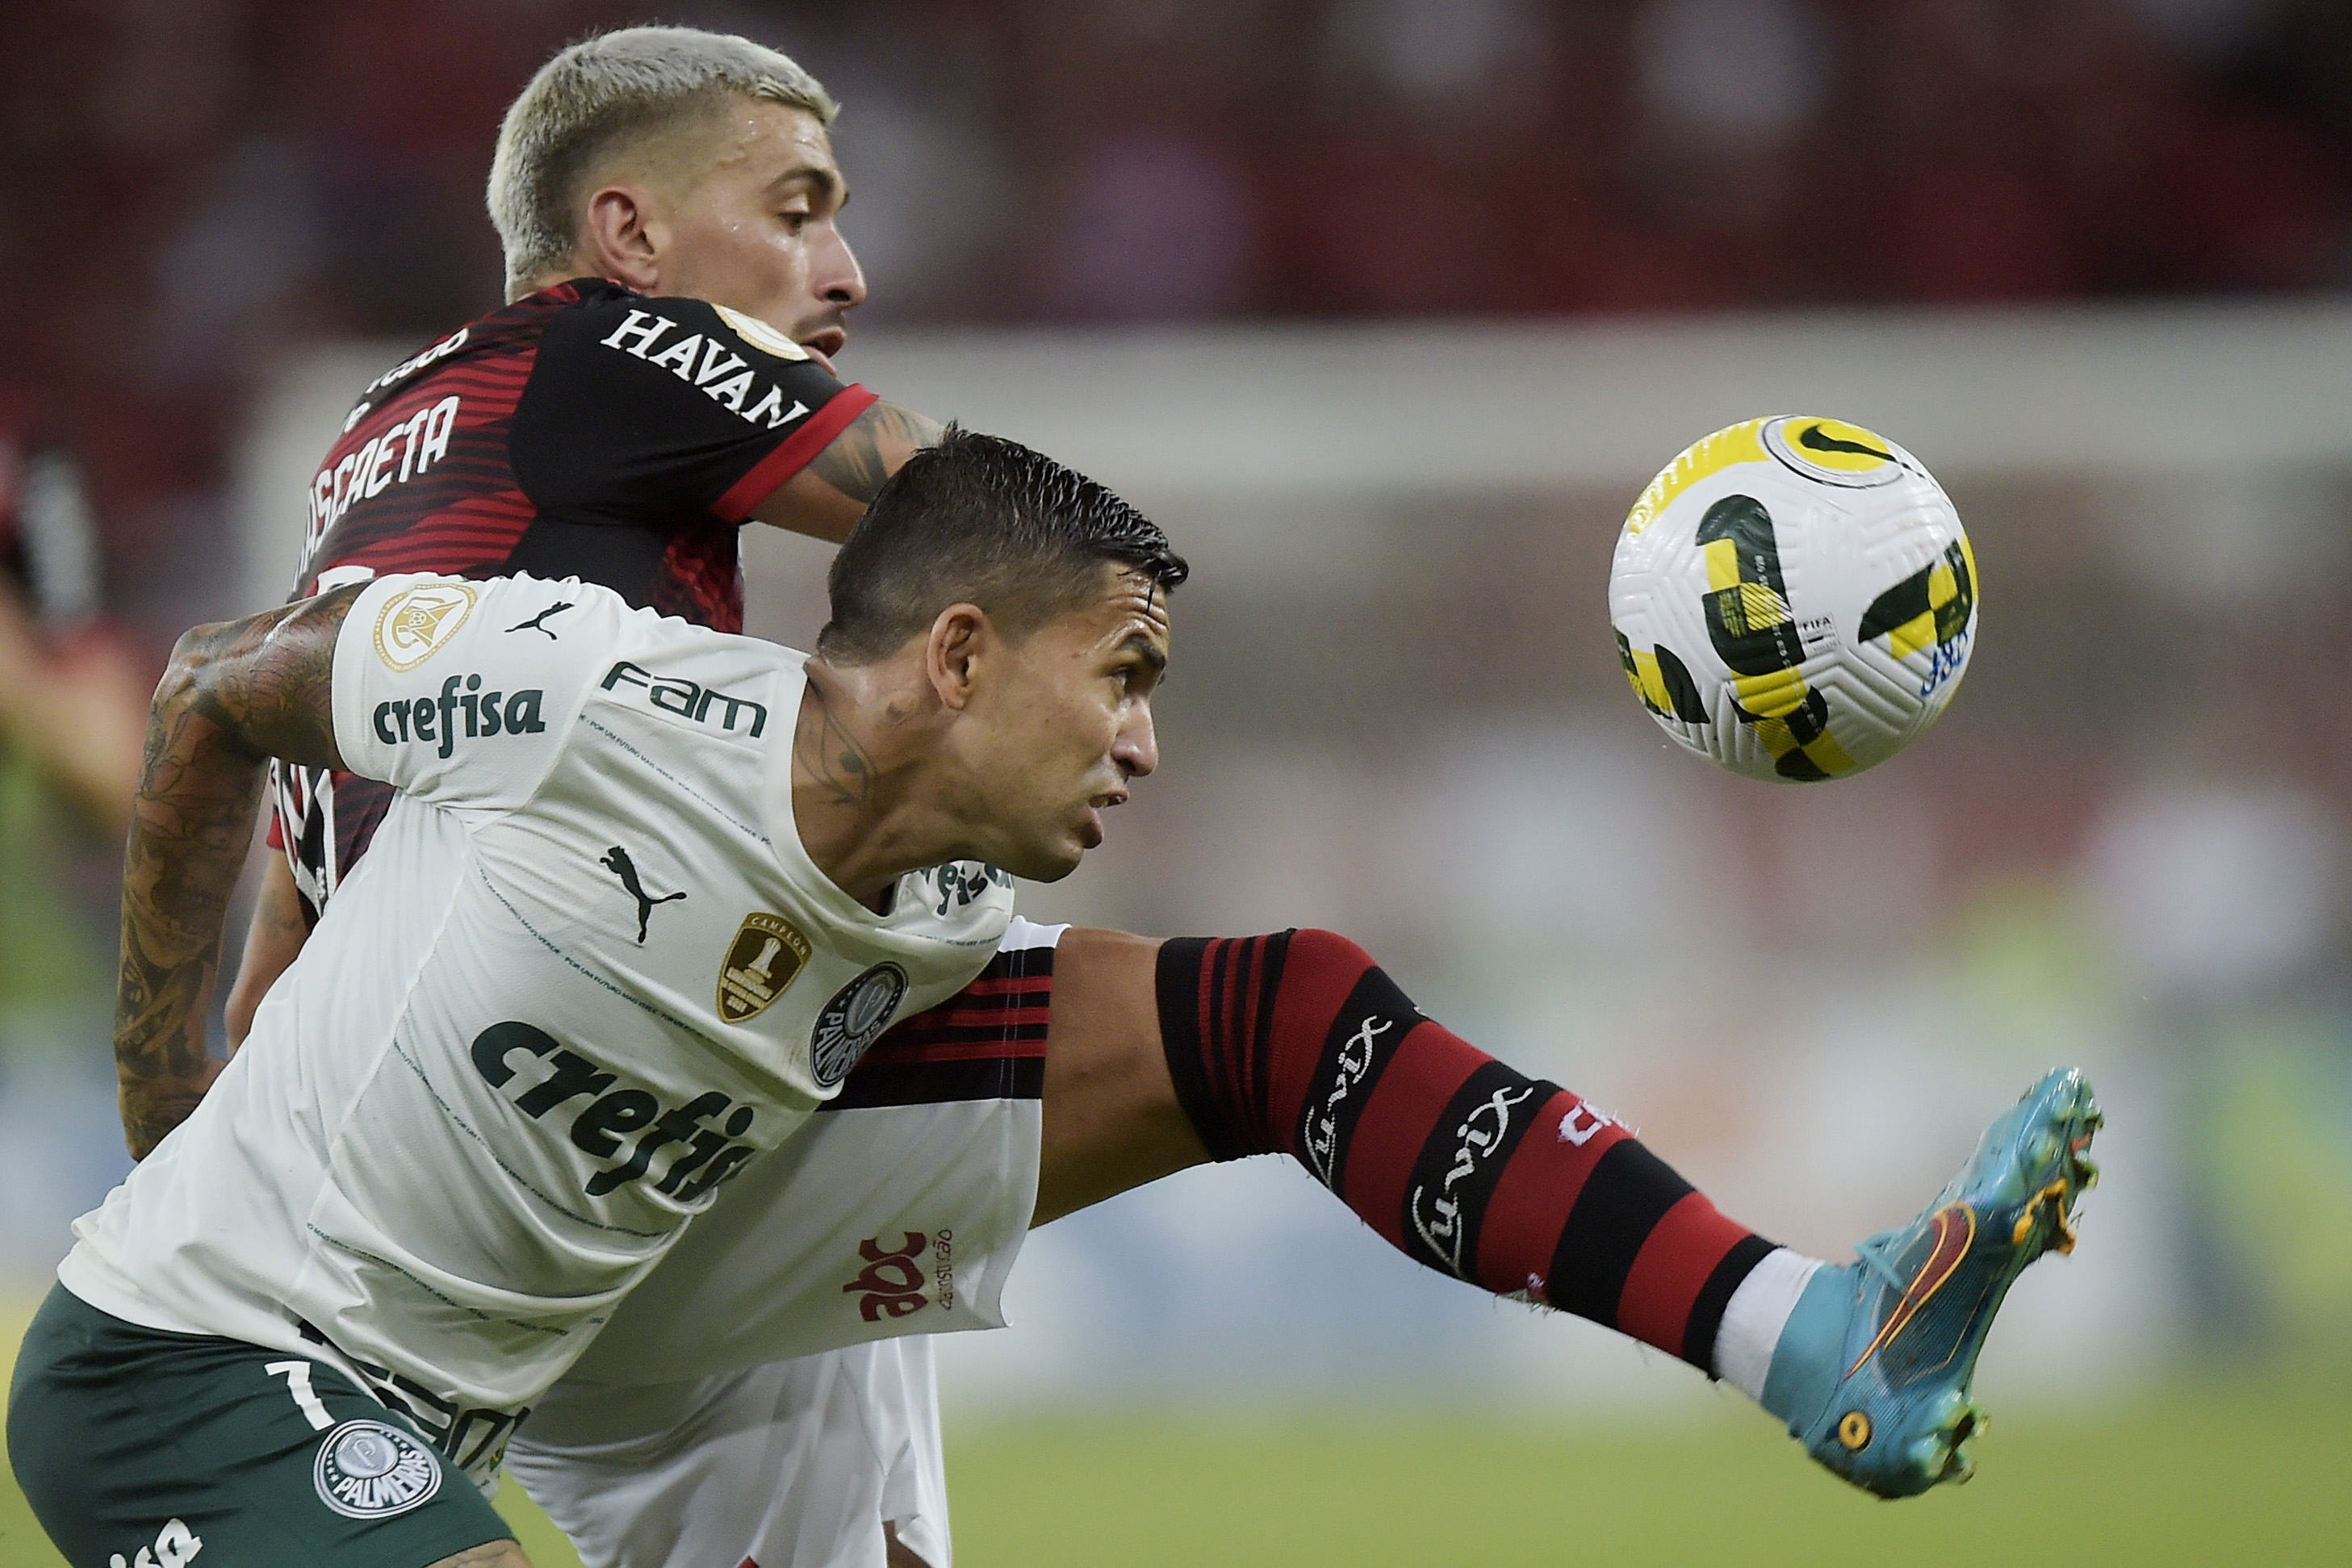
982, 520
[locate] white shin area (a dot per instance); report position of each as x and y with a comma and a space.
1752, 1320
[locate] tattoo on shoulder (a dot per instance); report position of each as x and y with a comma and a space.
269, 678
870, 450
830, 757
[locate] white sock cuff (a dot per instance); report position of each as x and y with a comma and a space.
1752, 1320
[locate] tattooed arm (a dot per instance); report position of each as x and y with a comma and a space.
235, 694
826, 497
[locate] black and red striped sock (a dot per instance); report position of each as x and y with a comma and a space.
1296, 1043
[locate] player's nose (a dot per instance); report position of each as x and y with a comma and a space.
839, 281
1136, 748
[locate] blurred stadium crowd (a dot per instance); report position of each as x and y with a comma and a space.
200, 191
198, 183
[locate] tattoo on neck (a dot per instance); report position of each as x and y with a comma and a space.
833, 760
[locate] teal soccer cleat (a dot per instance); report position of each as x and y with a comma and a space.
1899, 1416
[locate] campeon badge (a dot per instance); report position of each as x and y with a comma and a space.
766, 957
367, 1469
853, 1020
415, 622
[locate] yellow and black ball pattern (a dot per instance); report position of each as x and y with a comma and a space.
1793, 597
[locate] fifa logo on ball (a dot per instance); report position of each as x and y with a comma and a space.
1794, 598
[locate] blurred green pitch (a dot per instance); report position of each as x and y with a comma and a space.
2246, 1473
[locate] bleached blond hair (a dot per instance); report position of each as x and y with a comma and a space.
607, 93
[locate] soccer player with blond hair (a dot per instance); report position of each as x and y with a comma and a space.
678, 285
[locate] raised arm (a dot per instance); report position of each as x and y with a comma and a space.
831, 492
235, 694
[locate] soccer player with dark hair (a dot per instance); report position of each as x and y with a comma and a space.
499, 1080
602, 427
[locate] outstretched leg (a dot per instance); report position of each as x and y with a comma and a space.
1168, 1054
1298, 1043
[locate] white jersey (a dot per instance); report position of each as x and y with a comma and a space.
585, 972
792, 1464
682, 1439
900, 1210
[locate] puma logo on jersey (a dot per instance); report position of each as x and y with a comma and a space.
536, 622
176, 1543
434, 719
616, 860
722, 374
615, 1110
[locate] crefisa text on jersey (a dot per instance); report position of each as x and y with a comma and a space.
723, 375
434, 719
960, 883
708, 1158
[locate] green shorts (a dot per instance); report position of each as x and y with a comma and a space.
139, 1448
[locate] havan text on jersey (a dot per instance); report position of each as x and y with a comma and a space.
502, 1053
535, 440
707, 365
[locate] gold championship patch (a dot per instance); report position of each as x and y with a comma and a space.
417, 622
767, 955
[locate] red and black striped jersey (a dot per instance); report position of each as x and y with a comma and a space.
583, 431
985, 1042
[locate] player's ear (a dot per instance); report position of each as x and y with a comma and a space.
961, 638
617, 239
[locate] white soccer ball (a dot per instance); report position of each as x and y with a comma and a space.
1794, 598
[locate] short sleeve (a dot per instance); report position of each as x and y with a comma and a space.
639, 410
463, 693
